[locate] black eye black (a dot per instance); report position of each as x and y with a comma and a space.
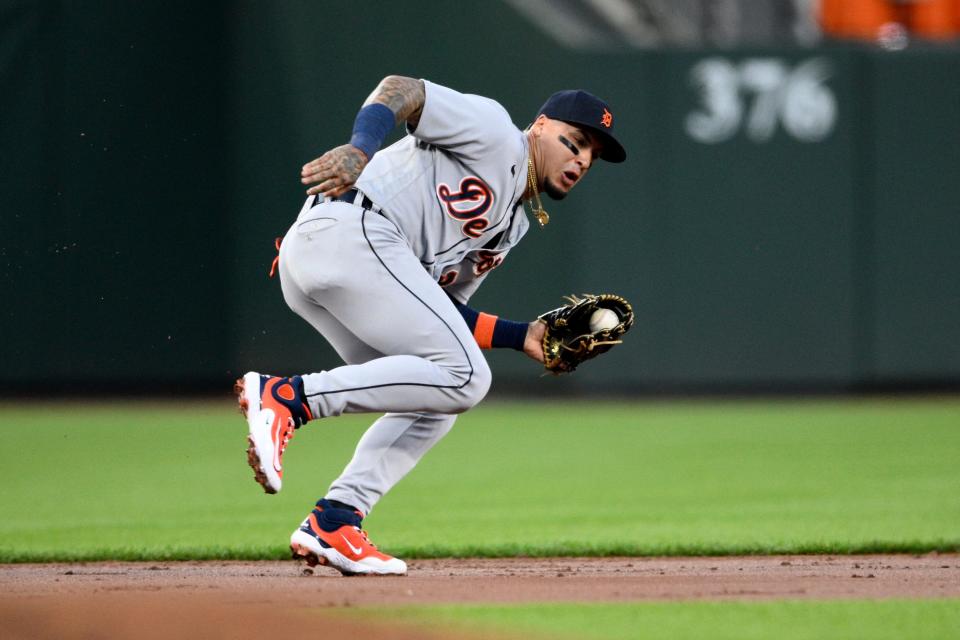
569, 145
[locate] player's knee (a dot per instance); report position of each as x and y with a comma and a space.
476, 387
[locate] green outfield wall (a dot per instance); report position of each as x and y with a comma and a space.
787, 218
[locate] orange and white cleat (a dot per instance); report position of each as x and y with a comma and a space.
274, 408
332, 536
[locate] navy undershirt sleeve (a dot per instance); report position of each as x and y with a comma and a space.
506, 333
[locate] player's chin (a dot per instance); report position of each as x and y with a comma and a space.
553, 191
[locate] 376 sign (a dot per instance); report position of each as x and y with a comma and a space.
758, 94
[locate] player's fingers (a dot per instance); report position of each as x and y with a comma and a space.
319, 173
326, 187
339, 190
322, 168
328, 160
315, 177
319, 160
320, 164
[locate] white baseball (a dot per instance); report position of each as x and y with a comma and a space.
603, 319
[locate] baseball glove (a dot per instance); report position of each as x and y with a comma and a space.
569, 339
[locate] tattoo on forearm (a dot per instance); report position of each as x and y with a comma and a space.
404, 96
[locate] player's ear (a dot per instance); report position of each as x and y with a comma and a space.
537, 126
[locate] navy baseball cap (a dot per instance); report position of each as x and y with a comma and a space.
586, 110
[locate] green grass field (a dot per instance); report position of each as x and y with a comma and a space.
785, 620
170, 481
155, 481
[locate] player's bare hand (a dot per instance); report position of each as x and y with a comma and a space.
533, 343
335, 171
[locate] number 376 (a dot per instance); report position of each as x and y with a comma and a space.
756, 95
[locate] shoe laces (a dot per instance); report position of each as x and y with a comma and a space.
288, 432
366, 538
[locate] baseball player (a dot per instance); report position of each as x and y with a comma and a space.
382, 260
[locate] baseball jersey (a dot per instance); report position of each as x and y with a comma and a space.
453, 187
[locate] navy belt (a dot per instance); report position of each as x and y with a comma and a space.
350, 196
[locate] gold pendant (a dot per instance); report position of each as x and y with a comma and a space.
538, 211
542, 216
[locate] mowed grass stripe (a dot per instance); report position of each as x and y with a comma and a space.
145, 481
784, 620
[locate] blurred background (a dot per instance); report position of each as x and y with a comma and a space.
788, 219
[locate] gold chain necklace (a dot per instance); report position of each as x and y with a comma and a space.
542, 216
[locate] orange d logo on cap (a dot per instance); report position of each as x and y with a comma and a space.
607, 119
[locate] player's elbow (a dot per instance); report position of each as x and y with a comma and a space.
404, 96
394, 79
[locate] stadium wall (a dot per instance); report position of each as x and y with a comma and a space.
787, 219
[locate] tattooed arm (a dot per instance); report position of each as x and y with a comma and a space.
335, 171
404, 96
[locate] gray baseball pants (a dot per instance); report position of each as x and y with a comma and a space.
350, 273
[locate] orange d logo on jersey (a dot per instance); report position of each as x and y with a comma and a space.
607, 119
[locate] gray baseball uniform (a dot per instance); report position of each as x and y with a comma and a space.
443, 209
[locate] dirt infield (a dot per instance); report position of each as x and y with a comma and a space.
248, 599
